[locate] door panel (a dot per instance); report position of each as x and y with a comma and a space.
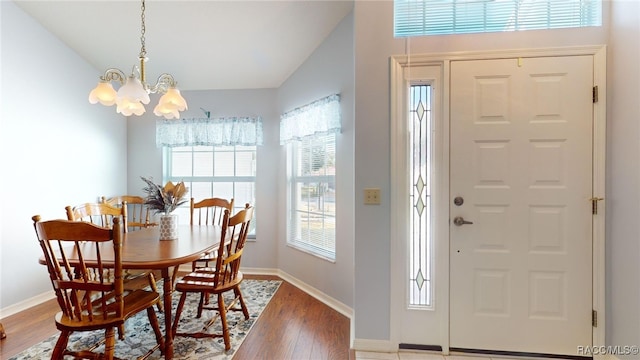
521, 157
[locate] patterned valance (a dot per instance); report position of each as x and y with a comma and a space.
244, 131
317, 118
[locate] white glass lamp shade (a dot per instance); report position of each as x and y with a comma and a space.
170, 104
103, 93
167, 110
128, 108
133, 91
173, 97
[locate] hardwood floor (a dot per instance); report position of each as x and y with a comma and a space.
294, 325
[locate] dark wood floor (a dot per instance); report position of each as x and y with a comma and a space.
294, 325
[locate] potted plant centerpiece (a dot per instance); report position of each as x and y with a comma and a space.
163, 200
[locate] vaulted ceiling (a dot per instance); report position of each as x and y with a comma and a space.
205, 44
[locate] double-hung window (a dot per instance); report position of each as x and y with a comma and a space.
214, 157
227, 172
309, 134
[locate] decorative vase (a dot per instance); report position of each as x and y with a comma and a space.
168, 227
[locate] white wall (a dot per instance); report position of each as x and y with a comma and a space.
145, 159
328, 70
623, 176
374, 44
57, 149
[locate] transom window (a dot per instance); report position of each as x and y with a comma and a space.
437, 17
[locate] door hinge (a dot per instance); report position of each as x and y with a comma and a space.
594, 204
595, 94
594, 318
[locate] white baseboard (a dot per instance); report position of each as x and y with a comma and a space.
260, 271
369, 345
26, 304
320, 296
324, 298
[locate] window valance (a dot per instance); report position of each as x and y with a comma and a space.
317, 118
245, 131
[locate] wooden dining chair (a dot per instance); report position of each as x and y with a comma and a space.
103, 214
100, 214
208, 212
225, 277
89, 300
138, 214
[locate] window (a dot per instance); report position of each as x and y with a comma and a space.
214, 171
215, 157
312, 205
436, 17
309, 133
420, 219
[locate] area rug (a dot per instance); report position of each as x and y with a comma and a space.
139, 335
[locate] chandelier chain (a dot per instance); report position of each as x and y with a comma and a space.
143, 29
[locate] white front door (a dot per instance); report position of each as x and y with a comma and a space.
521, 163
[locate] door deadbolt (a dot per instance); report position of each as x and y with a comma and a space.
459, 221
458, 200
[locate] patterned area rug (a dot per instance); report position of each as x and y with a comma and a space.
139, 335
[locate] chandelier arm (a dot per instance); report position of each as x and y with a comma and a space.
164, 82
113, 74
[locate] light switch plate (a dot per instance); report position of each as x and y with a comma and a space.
372, 196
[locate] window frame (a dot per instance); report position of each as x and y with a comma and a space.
167, 164
292, 156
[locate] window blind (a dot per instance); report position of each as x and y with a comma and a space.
438, 17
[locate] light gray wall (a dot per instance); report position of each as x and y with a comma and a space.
145, 159
57, 149
623, 176
374, 44
328, 70
59, 125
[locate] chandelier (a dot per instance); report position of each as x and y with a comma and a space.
134, 91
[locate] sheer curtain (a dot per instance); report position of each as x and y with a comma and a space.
244, 131
320, 117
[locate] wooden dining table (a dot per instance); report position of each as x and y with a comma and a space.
143, 249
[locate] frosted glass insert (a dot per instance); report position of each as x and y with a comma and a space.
420, 163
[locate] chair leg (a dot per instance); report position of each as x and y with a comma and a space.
61, 345
121, 332
174, 330
154, 287
153, 320
222, 310
174, 276
238, 294
110, 343
201, 305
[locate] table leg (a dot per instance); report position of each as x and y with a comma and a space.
167, 289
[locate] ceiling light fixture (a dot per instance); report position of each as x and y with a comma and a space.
134, 92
